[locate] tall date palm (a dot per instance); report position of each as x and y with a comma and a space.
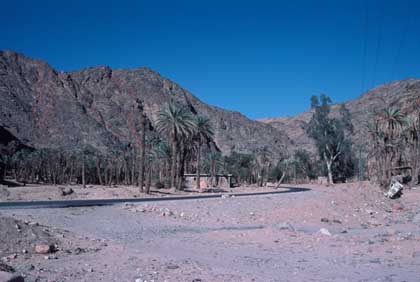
176, 122
203, 133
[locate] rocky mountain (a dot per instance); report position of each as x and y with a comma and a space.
404, 94
43, 107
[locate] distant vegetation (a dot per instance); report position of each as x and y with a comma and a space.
177, 143
180, 142
394, 146
331, 136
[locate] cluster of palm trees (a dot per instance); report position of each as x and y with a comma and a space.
395, 145
161, 155
187, 134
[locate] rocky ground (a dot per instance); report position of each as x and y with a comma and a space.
349, 232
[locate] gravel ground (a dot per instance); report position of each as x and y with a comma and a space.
348, 232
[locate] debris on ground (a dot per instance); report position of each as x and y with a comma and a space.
395, 189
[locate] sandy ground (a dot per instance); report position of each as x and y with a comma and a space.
348, 232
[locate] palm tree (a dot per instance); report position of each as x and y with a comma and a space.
203, 132
162, 151
389, 126
176, 122
142, 121
215, 162
413, 130
391, 121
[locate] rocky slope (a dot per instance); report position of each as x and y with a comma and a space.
404, 94
46, 108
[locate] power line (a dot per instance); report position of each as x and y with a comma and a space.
378, 45
366, 29
400, 46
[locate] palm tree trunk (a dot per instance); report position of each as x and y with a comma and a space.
174, 157
149, 179
98, 169
142, 150
83, 172
198, 165
180, 169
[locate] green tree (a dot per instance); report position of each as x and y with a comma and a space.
304, 165
328, 133
176, 123
203, 133
391, 122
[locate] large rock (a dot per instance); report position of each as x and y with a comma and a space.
65, 191
10, 277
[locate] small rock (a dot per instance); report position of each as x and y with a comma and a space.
172, 266
44, 249
286, 226
12, 256
416, 254
376, 260
325, 231
371, 212
397, 206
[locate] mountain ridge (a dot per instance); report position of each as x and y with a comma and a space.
96, 106
404, 94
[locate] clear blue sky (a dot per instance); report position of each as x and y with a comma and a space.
262, 58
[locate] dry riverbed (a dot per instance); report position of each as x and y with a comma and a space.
348, 232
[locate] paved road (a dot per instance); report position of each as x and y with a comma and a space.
103, 202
